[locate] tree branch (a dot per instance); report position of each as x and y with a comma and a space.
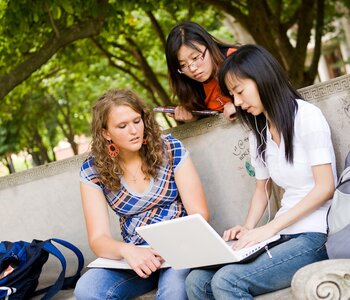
148, 72
121, 47
52, 21
157, 27
109, 55
228, 7
278, 11
55, 43
293, 19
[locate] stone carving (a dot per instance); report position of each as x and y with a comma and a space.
326, 280
43, 171
320, 90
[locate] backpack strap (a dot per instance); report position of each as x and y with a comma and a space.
61, 282
342, 182
344, 177
69, 282
6, 291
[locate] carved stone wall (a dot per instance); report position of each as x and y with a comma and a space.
333, 98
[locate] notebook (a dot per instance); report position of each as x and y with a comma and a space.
190, 242
108, 263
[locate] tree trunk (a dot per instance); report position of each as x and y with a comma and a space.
241, 35
267, 27
36, 159
9, 164
42, 154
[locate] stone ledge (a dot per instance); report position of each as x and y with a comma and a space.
315, 93
53, 168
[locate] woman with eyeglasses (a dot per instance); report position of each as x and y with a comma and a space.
194, 57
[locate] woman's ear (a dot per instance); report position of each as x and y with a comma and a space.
106, 135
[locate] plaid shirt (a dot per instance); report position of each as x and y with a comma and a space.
160, 201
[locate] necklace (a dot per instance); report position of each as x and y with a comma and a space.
134, 178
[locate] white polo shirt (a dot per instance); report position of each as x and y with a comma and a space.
312, 146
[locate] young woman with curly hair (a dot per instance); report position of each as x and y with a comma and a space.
145, 177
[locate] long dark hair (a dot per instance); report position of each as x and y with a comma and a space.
190, 92
276, 93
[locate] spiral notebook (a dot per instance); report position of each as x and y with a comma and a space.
190, 242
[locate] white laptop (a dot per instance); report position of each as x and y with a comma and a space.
190, 242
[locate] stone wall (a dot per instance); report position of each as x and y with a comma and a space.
44, 202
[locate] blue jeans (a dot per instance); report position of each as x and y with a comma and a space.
263, 275
103, 284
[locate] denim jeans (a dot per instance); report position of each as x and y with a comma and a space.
263, 275
103, 284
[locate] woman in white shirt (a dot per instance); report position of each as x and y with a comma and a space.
290, 143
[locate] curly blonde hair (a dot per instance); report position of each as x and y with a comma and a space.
152, 153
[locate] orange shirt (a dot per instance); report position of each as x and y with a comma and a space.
214, 100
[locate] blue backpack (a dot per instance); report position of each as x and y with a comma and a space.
21, 264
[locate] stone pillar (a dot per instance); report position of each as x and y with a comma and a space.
323, 69
345, 43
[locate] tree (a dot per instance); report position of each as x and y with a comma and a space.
124, 49
56, 26
285, 28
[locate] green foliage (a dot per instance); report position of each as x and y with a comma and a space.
26, 25
55, 102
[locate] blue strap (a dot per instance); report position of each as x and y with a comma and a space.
61, 281
6, 291
75, 250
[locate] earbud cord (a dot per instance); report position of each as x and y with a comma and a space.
262, 139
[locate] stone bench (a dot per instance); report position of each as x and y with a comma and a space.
44, 202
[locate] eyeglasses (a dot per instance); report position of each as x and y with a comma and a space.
194, 64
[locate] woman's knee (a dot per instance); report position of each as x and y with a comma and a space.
83, 290
171, 284
198, 284
226, 285
97, 284
191, 282
220, 281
